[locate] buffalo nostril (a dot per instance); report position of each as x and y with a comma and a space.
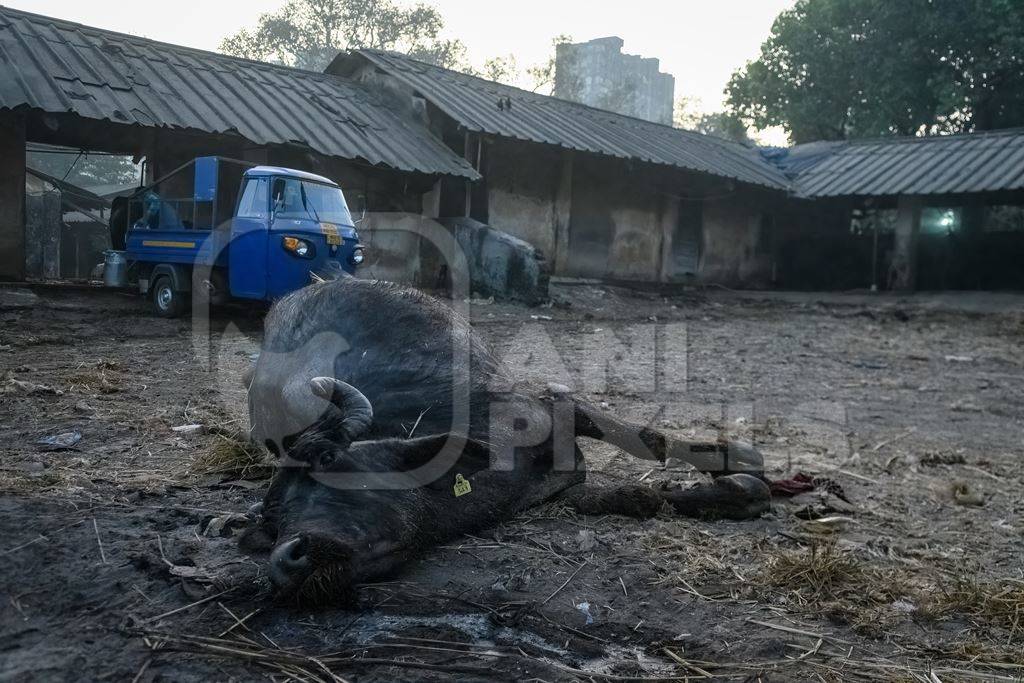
289, 563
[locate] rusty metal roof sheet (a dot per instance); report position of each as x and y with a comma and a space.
945, 164
59, 66
474, 103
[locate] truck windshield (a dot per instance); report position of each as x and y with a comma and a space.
298, 199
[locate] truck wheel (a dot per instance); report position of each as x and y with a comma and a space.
167, 302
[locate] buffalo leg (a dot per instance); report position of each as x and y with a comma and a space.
730, 497
734, 496
716, 458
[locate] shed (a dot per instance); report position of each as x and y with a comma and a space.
88, 88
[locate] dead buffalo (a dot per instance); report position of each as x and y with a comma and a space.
397, 428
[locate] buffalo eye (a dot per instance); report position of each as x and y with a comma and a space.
327, 460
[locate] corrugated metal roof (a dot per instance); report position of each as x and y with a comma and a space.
473, 103
942, 164
58, 66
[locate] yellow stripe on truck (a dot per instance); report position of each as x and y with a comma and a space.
166, 243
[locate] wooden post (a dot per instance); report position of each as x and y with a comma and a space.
903, 271
12, 197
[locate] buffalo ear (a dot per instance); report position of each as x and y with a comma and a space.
415, 453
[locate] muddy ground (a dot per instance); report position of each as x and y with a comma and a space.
118, 562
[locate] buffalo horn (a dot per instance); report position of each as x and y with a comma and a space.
356, 408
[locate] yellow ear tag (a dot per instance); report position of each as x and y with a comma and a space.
462, 486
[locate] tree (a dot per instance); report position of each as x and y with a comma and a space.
723, 124
688, 115
309, 33
501, 69
838, 69
543, 75
983, 60
451, 54
84, 170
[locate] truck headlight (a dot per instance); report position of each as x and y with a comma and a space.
357, 256
300, 248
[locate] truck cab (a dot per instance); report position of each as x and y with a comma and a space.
224, 230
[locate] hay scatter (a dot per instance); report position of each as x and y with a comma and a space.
100, 377
233, 455
995, 603
825, 578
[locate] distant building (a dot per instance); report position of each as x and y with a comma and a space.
596, 73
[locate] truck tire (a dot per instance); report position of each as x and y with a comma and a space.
166, 302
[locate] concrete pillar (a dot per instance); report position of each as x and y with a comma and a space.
903, 271
563, 214
669, 219
12, 197
42, 234
431, 268
969, 271
432, 201
474, 161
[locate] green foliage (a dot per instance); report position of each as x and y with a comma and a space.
501, 69
85, 170
723, 124
837, 69
688, 116
308, 34
543, 75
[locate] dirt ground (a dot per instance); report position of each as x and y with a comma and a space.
118, 559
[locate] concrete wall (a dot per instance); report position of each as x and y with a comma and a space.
737, 247
597, 217
588, 216
392, 247
618, 221
523, 191
596, 73
12, 197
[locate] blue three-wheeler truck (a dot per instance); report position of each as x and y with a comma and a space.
198, 231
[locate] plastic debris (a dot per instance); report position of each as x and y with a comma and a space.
802, 482
188, 429
17, 385
586, 540
584, 607
827, 525
60, 442
222, 526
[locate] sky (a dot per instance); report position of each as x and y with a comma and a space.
700, 42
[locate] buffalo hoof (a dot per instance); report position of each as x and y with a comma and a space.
735, 496
738, 457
